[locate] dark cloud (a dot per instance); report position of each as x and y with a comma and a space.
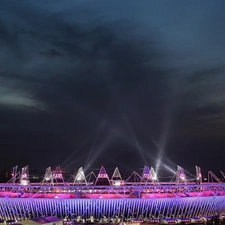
206, 74
51, 53
110, 76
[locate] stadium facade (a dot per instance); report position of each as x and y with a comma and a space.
91, 197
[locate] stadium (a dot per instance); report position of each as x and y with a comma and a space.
98, 198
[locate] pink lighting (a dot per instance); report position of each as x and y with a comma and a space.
182, 176
135, 195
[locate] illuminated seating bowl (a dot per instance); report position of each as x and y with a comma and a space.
141, 197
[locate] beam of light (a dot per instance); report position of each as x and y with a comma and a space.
117, 162
93, 150
98, 151
159, 159
66, 164
161, 145
169, 114
169, 162
162, 157
164, 134
169, 168
169, 165
174, 171
134, 139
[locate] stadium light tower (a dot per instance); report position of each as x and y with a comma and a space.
198, 175
154, 175
79, 177
24, 176
57, 175
116, 178
149, 175
48, 178
102, 177
146, 175
15, 174
180, 176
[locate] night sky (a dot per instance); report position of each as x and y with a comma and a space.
115, 83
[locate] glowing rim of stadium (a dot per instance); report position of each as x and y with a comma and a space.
145, 186
145, 196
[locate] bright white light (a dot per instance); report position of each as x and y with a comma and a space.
24, 182
169, 169
182, 177
117, 183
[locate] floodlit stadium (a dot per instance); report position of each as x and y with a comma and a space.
100, 198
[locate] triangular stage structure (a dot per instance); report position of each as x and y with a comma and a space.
116, 178
116, 175
223, 174
149, 175
102, 178
198, 175
154, 176
15, 175
91, 178
180, 176
79, 177
146, 175
213, 178
134, 178
48, 177
57, 176
24, 176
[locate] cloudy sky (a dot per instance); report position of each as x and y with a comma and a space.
114, 83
